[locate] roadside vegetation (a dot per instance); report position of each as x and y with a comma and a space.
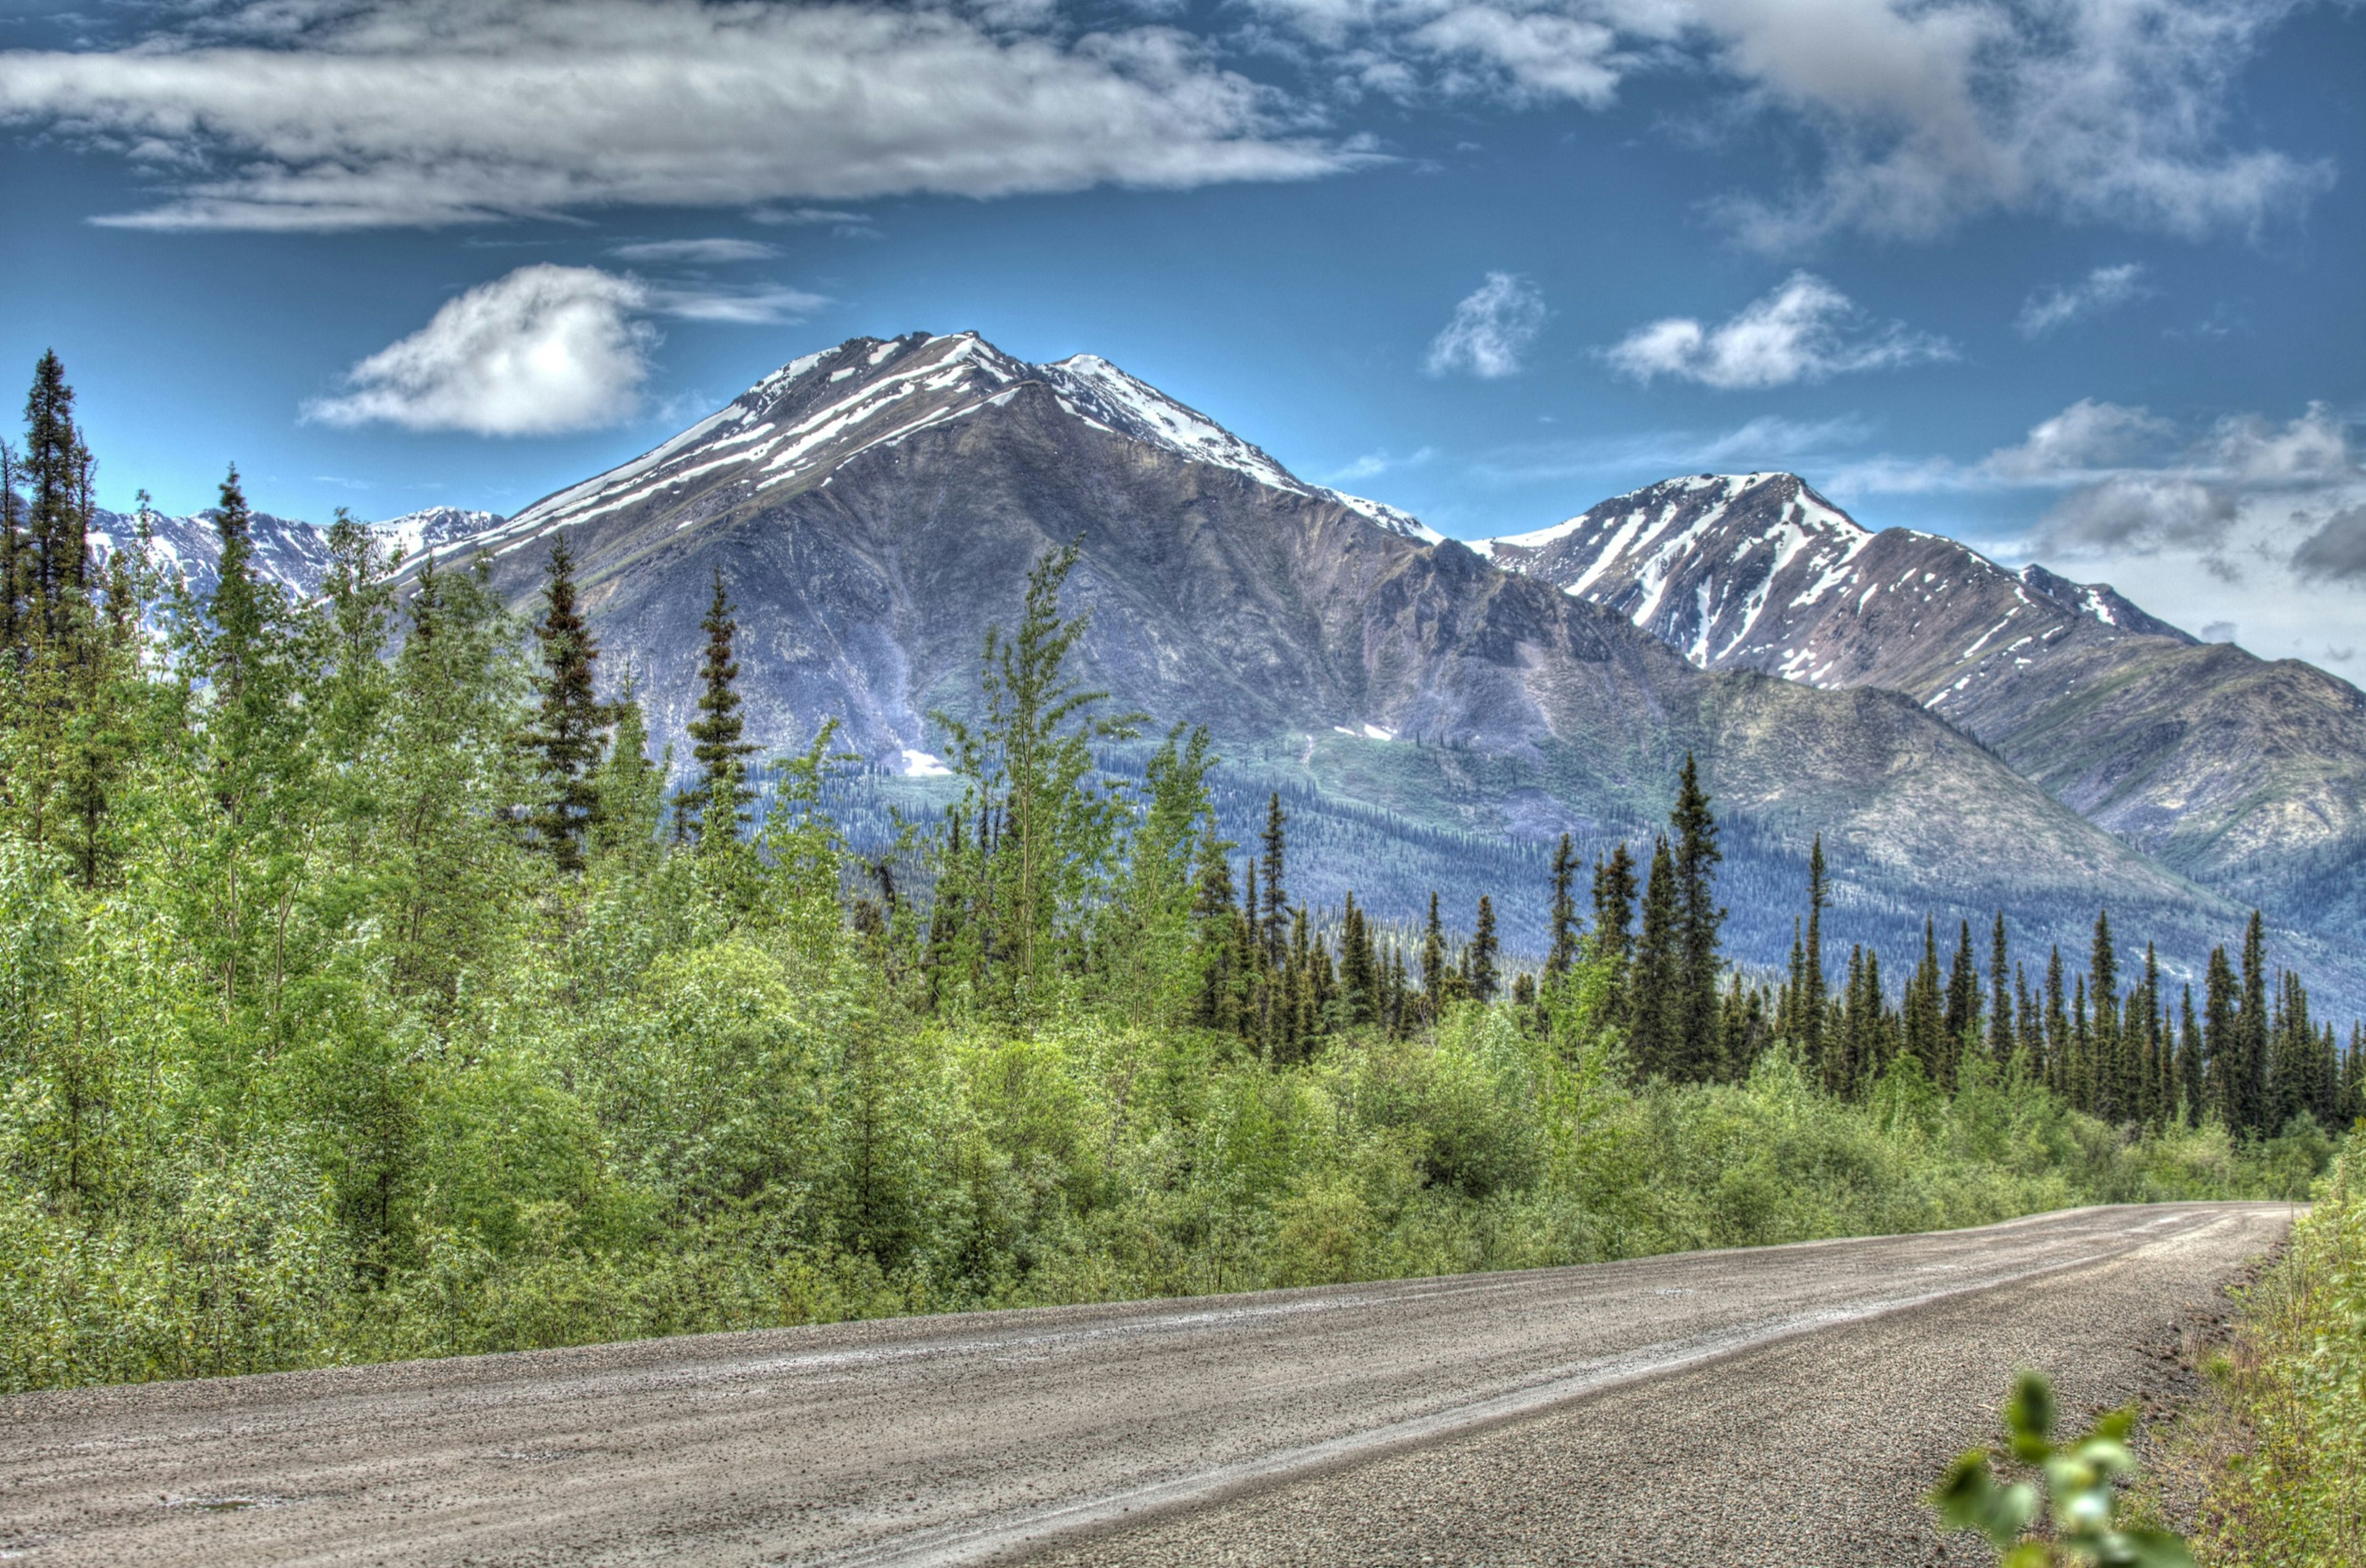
2268, 1467
367, 990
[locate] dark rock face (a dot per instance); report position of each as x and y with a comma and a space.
2247, 775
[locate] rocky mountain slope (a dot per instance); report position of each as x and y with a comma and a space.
2247, 774
873, 508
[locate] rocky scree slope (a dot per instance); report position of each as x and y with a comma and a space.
874, 507
2247, 775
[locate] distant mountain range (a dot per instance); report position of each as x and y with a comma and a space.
2247, 775
1433, 721
293, 554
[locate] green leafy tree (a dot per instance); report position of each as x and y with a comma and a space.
1028, 764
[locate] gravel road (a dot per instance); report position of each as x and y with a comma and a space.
1778, 1405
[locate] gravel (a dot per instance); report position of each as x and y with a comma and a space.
1777, 1404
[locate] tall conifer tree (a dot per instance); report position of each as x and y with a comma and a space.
566, 735
722, 792
1699, 918
1563, 951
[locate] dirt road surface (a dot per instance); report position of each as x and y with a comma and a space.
1783, 1405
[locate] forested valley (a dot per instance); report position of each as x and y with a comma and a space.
370, 990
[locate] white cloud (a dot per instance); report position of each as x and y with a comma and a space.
844, 222
759, 305
1490, 330
1915, 116
695, 253
1805, 331
2087, 436
340, 114
542, 350
2105, 289
1371, 464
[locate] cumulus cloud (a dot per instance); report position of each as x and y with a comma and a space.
1912, 116
1490, 330
2245, 487
1805, 331
2105, 289
2087, 436
542, 350
695, 253
2335, 550
343, 114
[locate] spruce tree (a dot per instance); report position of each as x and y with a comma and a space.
2222, 1039
2252, 1067
2058, 1029
1358, 978
56, 472
1963, 994
1433, 960
566, 734
2191, 1082
1699, 918
1655, 1000
2107, 1049
1483, 979
1613, 926
1563, 951
721, 793
1812, 1003
1277, 900
2000, 1018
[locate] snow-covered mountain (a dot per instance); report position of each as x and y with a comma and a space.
2247, 774
873, 508
1757, 571
792, 431
293, 554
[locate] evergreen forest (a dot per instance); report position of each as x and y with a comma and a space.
372, 987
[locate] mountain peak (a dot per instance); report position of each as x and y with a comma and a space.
795, 428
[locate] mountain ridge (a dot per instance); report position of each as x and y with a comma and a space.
2247, 774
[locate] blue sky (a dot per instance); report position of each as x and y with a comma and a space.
2076, 279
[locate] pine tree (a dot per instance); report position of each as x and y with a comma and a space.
566, 735
1483, 979
1699, 918
721, 793
1563, 951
